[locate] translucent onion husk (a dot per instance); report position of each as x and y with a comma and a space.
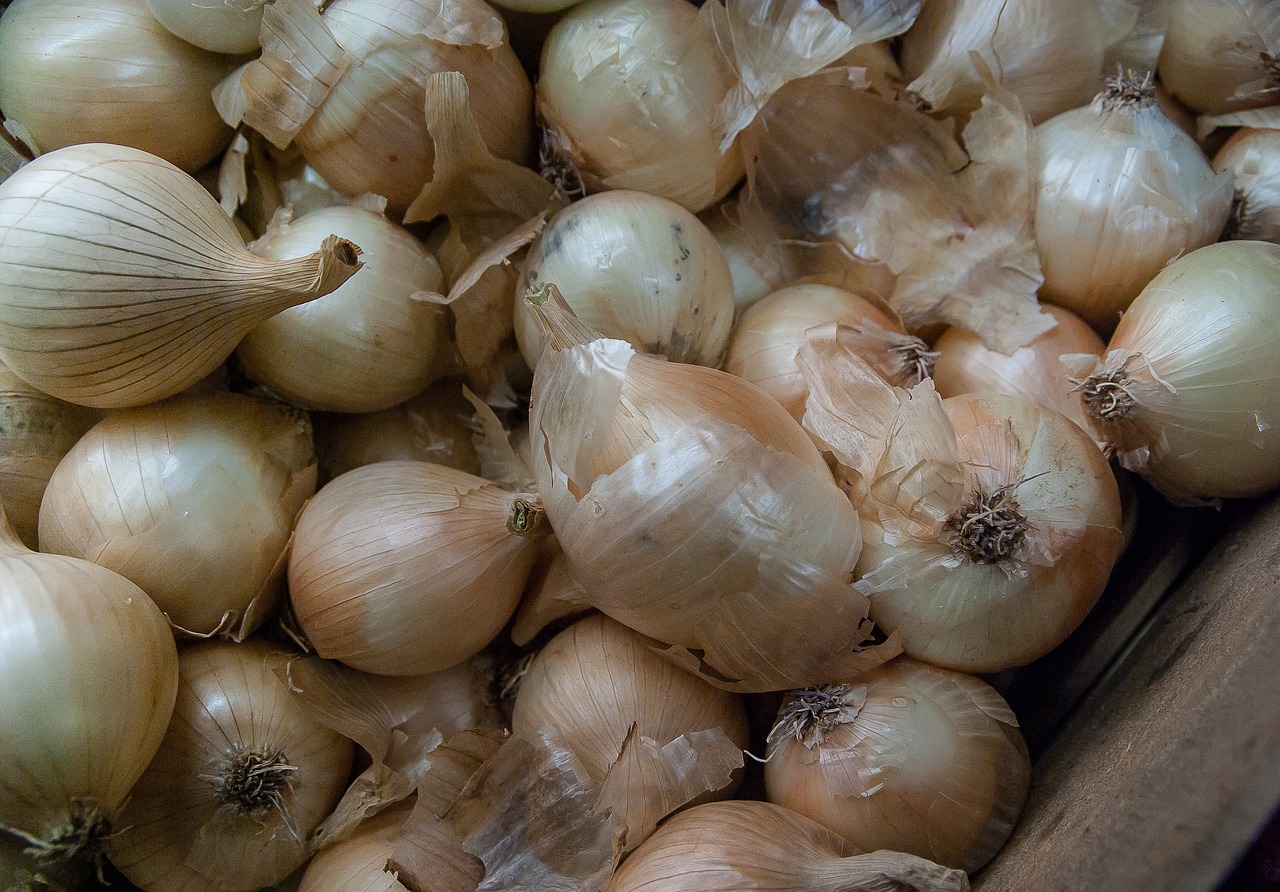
636, 267
90, 673
597, 678
749, 845
885, 199
1219, 55
911, 758
1187, 393
365, 347
769, 333
1046, 53
242, 777
752, 273
193, 499
695, 510
990, 523
1034, 372
159, 85
627, 91
406, 567
123, 282
228, 26
36, 431
1121, 190
1253, 157
436, 425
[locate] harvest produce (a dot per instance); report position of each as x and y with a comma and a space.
600, 446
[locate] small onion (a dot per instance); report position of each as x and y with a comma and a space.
243, 776
910, 758
627, 92
1188, 394
1220, 55
1253, 157
80, 71
406, 567
366, 346
219, 26
635, 267
88, 677
193, 499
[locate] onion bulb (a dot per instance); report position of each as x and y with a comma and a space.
751, 846
767, 335
1253, 157
636, 267
627, 91
243, 776
695, 510
193, 499
88, 677
1220, 55
990, 524
407, 567
1034, 372
1121, 190
80, 71
219, 26
1188, 394
123, 282
360, 863
910, 758
367, 346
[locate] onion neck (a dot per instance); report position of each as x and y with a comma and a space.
526, 518
1107, 395
988, 528
275, 285
560, 325
1129, 91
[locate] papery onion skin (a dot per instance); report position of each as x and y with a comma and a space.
923, 760
89, 674
191, 823
370, 133
627, 91
406, 567
80, 71
635, 267
1217, 54
1121, 191
1035, 372
597, 677
366, 346
359, 863
1253, 156
973, 616
1196, 352
193, 499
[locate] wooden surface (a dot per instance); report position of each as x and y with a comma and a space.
1166, 769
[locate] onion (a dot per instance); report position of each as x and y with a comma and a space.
1253, 157
910, 758
243, 776
1219, 55
220, 26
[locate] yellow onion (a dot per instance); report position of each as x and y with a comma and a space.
368, 345
407, 567
82, 71
1034, 372
242, 777
88, 677
1253, 156
1219, 55
1121, 190
123, 282
627, 91
695, 510
360, 863
193, 499
635, 267
910, 758
769, 333
1186, 394
36, 430
751, 846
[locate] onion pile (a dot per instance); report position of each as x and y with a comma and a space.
436, 419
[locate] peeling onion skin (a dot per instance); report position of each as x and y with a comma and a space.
928, 761
971, 616
183, 833
597, 677
59, 60
627, 90
1196, 352
359, 863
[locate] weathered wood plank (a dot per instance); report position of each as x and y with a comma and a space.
1167, 768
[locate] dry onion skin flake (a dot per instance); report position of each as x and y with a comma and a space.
1187, 394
